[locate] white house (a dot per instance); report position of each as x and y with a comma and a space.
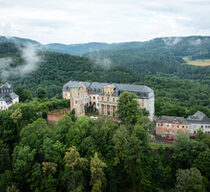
7, 96
197, 121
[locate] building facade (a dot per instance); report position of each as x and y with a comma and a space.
167, 126
197, 121
7, 96
104, 96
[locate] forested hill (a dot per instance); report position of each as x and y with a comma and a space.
173, 96
163, 57
20, 41
55, 69
194, 46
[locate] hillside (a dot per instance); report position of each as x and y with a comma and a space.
55, 69
20, 41
162, 57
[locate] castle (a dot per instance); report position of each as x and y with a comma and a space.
104, 96
7, 96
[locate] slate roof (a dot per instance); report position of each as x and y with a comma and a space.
198, 118
141, 91
9, 96
170, 119
6, 85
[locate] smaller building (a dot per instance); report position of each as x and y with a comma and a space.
197, 121
167, 126
7, 96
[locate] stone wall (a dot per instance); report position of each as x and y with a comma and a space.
53, 117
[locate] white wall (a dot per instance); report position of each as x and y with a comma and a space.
3, 105
196, 127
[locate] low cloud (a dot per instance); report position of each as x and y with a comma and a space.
31, 61
170, 41
100, 60
196, 42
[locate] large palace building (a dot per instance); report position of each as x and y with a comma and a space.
104, 96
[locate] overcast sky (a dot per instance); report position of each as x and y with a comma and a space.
80, 21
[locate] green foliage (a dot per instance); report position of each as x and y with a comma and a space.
202, 162
98, 179
23, 93
41, 93
189, 180
128, 108
186, 151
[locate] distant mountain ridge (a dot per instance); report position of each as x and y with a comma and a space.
19, 41
177, 44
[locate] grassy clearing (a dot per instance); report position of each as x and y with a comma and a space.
160, 145
198, 62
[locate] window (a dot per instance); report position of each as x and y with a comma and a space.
94, 97
161, 124
102, 98
107, 98
201, 126
97, 98
113, 99
177, 126
182, 126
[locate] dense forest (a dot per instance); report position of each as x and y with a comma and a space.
162, 57
95, 155
174, 96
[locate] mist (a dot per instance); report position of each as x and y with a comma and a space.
31, 61
170, 41
100, 60
196, 42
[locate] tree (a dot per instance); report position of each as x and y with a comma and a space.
5, 161
146, 123
129, 154
16, 116
128, 108
23, 164
34, 134
78, 166
202, 162
186, 151
98, 179
49, 183
41, 93
23, 93
189, 180
73, 159
62, 128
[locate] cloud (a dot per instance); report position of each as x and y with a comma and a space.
76, 21
31, 61
172, 40
196, 42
